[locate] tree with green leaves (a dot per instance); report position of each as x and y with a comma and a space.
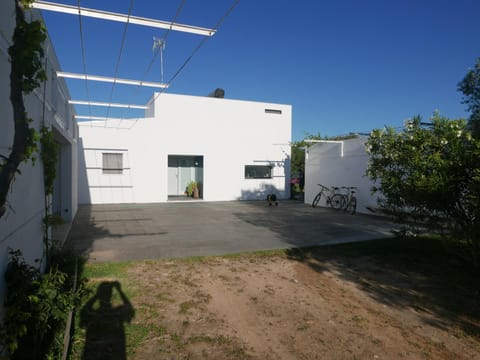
298, 154
470, 88
297, 164
428, 176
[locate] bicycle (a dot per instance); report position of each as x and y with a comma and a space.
334, 199
349, 199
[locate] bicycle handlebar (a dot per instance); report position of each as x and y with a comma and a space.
336, 187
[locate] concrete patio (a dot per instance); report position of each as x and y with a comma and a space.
167, 230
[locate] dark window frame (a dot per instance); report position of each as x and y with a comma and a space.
258, 172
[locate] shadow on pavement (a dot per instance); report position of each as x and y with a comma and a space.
110, 221
300, 225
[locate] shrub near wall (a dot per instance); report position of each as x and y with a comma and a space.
429, 175
36, 308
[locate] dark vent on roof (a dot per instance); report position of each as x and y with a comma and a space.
217, 93
273, 111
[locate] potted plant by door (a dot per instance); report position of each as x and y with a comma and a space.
192, 189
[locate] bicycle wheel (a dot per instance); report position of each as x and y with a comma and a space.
316, 199
352, 205
337, 201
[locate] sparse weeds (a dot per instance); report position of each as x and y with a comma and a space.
148, 311
164, 297
186, 306
200, 298
173, 319
229, 346
303, 327
136, 335
357, 319
187, 280
177, 339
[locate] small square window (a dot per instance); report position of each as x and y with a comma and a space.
112, 163
258, 172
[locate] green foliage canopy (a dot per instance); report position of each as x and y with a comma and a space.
430, 176
470, 87
297, 165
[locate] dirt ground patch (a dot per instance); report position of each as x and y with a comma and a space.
288, 306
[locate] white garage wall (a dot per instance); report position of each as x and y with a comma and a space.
325, 165
229, 134
22, 227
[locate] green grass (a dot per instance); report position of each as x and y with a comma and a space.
257, 254
136, 334
105, 270
208, 259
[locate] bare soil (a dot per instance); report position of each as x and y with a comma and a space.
298, 307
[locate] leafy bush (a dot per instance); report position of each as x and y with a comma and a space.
36, 308
470, 88
429, 175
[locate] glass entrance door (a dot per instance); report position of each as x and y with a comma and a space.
182, 170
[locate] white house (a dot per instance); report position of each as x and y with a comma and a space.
339, 163
21, 226
235, 150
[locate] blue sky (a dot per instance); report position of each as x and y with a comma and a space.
344, 65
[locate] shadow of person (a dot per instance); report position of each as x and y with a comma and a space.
104, 323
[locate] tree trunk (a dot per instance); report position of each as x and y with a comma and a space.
22, 130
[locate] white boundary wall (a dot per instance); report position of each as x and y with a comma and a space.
324, 164
229, 134
21, 226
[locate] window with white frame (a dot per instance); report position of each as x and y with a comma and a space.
258, 172
112, 163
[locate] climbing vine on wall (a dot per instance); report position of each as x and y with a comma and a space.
49, 155
27, 73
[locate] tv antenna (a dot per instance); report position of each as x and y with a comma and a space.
160, 45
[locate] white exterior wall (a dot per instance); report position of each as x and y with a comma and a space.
229, 134
325, 165
21, 226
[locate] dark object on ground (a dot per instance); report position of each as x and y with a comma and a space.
272, 199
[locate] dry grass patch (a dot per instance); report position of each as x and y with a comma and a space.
323, 303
